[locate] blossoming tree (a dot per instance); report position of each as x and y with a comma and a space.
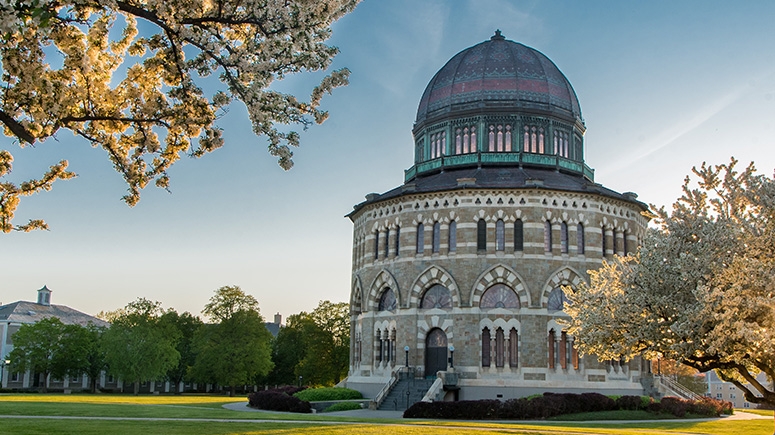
83, 66
701, 289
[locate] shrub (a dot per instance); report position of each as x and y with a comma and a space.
710, 407
595, 402
674, 405
343, 406
324, 394
630, 403
278, 400
462, 410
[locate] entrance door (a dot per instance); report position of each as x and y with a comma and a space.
435, 352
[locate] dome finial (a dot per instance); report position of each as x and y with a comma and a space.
497, 36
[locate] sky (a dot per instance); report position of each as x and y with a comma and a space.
663, 87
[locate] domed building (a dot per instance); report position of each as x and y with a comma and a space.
458, 274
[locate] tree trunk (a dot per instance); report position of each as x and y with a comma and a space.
232, 391
137, 387
93, 382
45, 382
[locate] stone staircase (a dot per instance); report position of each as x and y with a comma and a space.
398, 399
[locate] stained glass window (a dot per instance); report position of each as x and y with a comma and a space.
500, 235
547, 237
513, 348
436, 338
485, 347
481, 235
519, 240
387, 302
557, 300
437, 297
499, 296
499, 347
564, 237
420, 238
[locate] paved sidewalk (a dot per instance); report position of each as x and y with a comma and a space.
362, 413
367, 413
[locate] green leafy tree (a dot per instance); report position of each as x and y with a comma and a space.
186, 325
325, 343
138, 346
288, 349
234, 349
85, 67
37, 347
699, 290
93, 354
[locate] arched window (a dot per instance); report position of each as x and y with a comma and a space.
580, 238
548, 237
437, 296
557, 300
420, 238
486, 347
500, 235
561, 144
378, 342
481, 235
499, 347
614, 242
564, 237
499, 138
387, 302
519, 240
513, 348
604, 242
465, 140
387, 243
438, 144
453, 236
499, 296
436, 237
376, 245
534, 139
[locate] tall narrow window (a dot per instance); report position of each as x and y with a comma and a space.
376, 245
614, 242
499, 347
563, 350
604, 242
625, 249
453, 236
387, 243
398, 240
420, 238
473, 139
387, 347
481, 235
547, 237
436, 237
485, 347
378, 341
466, 141
519, 239
551, 348
513, 348
500, 235
458, 142
580, 238
564, 237
507, 138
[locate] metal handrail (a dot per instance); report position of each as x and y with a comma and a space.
385, 390
676, 388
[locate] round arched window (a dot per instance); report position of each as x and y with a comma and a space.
557, 300
499, 296
387, 302
437, 297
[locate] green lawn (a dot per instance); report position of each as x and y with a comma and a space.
58, 414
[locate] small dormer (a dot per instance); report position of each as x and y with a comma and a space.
44, 296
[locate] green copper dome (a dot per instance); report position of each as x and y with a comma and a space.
499, 103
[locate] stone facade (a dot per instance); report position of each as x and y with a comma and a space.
462, 269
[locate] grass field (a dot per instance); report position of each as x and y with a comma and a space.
190, 415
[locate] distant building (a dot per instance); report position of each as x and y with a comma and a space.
16, 314
721, 390
274, 327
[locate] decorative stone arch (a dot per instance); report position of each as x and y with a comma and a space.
500, 274
563, 277
424, 326
356, 296
505, 324
383, 280
429, 277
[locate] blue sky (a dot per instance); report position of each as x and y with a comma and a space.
663, 86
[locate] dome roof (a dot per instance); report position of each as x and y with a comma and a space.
499, 74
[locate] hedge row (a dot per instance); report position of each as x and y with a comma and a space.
552, 404
326, 394
279, 399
